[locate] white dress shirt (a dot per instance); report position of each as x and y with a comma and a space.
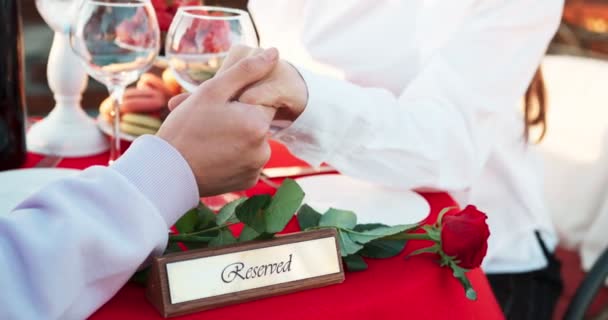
424, 94
67, 249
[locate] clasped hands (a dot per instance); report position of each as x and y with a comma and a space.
221, 128
283, 88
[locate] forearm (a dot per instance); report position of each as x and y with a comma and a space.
438, 131
369, 133
68, 248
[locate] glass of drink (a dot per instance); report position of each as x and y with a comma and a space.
117, 40
199, 39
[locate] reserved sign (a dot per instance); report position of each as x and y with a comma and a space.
203, 279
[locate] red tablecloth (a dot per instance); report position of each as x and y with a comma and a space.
396, 288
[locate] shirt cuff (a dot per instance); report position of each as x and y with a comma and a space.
160, 172
314, 135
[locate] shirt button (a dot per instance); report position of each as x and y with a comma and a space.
288, 138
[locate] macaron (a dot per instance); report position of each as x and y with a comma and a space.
137, 124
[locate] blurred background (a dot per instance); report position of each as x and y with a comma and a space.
38, 40
584, 32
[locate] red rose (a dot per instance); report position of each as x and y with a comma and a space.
464, 235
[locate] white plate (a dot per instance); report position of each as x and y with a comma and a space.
372, 203
106, 128
16, 185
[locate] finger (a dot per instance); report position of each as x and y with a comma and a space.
268, 113
258, 114
177, 100
261, 94
245, 72
236, 54
267, 96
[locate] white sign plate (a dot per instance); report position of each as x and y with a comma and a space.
239, 271
203, 279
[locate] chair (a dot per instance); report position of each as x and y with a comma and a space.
587, 290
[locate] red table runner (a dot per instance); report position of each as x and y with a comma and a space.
395, 288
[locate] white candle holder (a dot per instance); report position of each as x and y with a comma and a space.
67, 131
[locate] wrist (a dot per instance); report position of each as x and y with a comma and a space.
161, 174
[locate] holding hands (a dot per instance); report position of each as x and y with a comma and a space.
224, 141
283, 88
221, 128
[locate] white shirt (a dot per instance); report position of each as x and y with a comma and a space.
70, 247
424, 94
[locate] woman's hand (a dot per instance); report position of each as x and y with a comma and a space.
284, 88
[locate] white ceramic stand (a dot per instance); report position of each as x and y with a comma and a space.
67, 131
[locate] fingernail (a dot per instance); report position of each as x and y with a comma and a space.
270, 55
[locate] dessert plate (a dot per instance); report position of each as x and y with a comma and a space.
371, 203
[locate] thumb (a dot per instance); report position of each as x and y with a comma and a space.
177, 100
226, 85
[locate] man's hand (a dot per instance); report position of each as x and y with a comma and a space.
224, 142
283, 89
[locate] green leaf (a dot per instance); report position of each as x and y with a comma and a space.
172, 247
140, 277
226, 214
347, 245
433, 232
196, 245
206, 217
442, 213
248, 234
380, 232
338, 218
308, 217
225, 237
471, 294
265, 236
251, 212
283, 205
190, 238
368, 226
354, 262
431, 249
188, 222
460, 274
381, 249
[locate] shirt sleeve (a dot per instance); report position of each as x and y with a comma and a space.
71, 246
438, 132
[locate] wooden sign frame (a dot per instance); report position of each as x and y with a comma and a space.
158, 288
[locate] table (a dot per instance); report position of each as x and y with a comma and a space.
395, 288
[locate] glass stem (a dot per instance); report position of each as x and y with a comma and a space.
117, 93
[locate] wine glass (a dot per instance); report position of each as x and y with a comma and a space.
117, 40
199, 39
